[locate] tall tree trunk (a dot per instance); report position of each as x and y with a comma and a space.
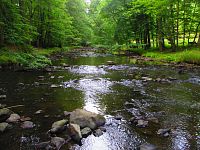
184, 23
160, 34
196, 33
177, 25
198, 43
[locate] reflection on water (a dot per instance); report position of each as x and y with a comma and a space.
92, 89
87, 70
109, 90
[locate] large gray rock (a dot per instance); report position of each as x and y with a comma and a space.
4, 126
4, 114
13, 118
59, 126
75, 132
87, 119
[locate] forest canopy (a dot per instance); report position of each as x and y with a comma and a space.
58, 23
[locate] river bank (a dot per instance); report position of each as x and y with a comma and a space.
190, 55
27, 57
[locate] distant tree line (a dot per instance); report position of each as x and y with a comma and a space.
154, 23
43, 23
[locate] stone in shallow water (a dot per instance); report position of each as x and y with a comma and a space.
164, 132
87, 119
148, 147
59, 123
102, 129
57, 142
23, 118
42, 145
13, 118
142, 123
98, 133
4, 114
75, 132
39, 112
27, 125
86, 132
153, 119
2, 106
4, 126
59, 126
3, 96
118, 117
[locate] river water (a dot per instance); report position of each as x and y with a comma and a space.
125, 89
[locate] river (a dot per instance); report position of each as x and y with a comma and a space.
126, 89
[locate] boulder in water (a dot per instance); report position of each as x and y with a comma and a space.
87, 119
59, 126
13, 118
98, 133
57, 142
4, 126
27, 125
4, 114
75, 132
164, 132
142, 123
86, 132
3, 96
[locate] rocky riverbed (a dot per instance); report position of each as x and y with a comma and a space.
91, 101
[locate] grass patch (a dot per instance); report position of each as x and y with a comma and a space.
29, 58
187, 56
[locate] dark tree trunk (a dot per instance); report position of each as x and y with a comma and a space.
160, 35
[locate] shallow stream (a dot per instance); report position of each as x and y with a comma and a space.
125, 89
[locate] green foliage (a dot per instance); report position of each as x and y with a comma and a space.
27, 60
191, 57
188, 56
